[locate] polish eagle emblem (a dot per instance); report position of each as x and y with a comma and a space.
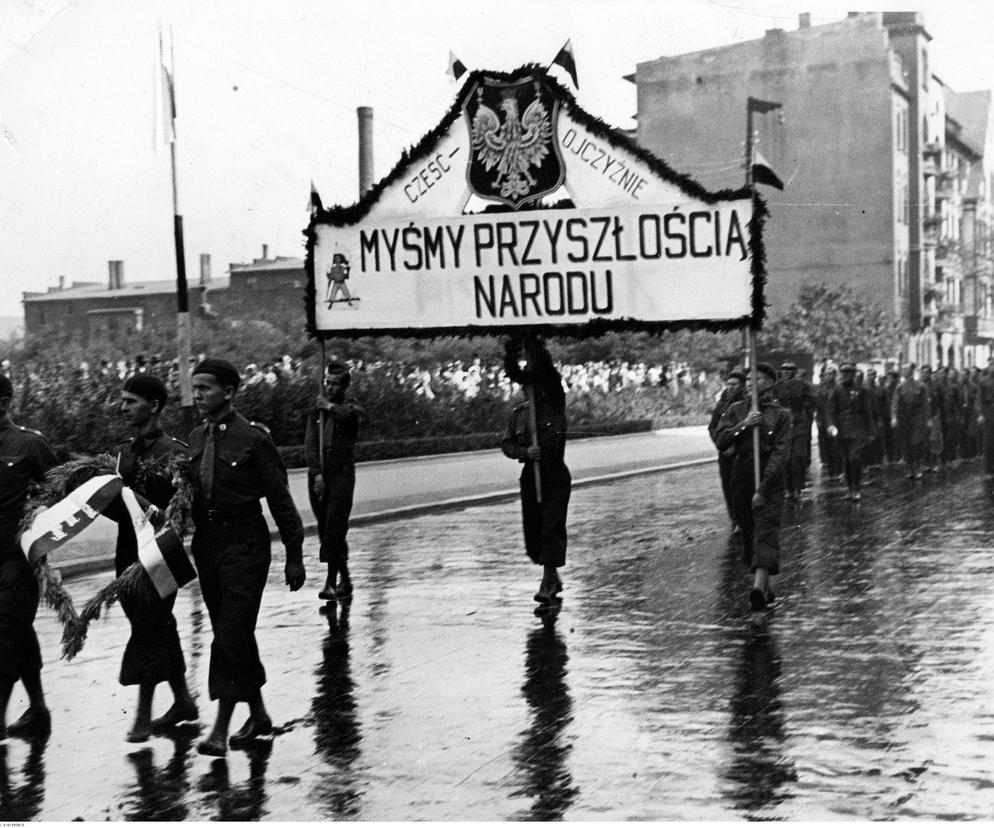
514, 158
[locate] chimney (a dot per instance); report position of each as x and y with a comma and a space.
265, 252
62, 282
205, 268
365, 114
804, 20
115, 274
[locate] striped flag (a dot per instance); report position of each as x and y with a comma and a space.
456, 67
566, 59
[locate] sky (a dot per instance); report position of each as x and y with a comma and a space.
266, 98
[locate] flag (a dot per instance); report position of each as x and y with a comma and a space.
565, 59
165, 104
456, 67
762, 172
314, 205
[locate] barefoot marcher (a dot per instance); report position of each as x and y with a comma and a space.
153, 653
543, 519
331, 475
235, 464
25, 456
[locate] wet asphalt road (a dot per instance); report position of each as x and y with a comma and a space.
437, 694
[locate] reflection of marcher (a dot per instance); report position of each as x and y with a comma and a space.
153, 653
236, 465
22, 802
759, 768
850, 423
159, 793
543, 753
336, 721
545, 522
25, 456
794, 394
732, 392
337, 275
758, 511
331, 474
909, 413
244, 802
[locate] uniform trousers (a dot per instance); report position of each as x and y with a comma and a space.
334, 509
19, 650
760, 527
988, 441
797, 462
232, 561
852, 461
545, 523
725, 462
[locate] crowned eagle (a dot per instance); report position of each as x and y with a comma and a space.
514, 146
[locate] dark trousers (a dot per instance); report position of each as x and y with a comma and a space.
545, 523
333, 510
829, 448
19, 650
890, 452
852, 461
725, 463
988, 441
760, 527
153, 653
233, 564
797, 462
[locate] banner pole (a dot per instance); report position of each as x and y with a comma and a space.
755, 405
533, 418
321, 415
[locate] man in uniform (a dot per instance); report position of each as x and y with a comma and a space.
758, 510
952, 416
985, 416
153, 653
544, 520
933, 444
909, 417
850, 422
874, 454
826, 442
236, 464
331, 475
891, 453
971, 429
733, 391
796, 396
25, 456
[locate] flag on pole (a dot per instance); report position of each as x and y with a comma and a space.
456, 67
165, 104
314, 203
762, 172
565, 59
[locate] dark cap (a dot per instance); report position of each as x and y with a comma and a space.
737, 373
339, 369
224, 371
847, 366
148, 386
788, 366
766, 368
6, 386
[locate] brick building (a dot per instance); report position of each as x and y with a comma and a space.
887, 169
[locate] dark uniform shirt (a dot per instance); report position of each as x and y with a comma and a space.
550, 420
984, 399
850, 410
724, 403
25, 456
247, 467
138, 466
774, 438
797, 397
341, 431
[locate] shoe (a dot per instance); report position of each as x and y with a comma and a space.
139, 734
556, 587
173, 716
344, 588
212, 747
33, 722
251, 730
328, 594
757, 600
770, 597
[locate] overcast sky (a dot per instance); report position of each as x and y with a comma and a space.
266, 96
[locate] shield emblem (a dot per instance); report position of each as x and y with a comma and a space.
514, 156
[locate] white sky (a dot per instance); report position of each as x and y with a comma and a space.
266, 98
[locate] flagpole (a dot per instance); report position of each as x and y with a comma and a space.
182, 295
750, 333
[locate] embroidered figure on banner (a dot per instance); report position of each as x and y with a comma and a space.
515, 157
337, 276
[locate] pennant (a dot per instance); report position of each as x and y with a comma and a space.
762, 172
456, 67
565, 59
314, 205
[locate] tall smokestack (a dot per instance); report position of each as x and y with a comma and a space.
115, 274
205, 268
804, 20
265, 252
365, 114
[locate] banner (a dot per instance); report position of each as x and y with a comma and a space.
520, 209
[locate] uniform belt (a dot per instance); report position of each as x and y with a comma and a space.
229, 514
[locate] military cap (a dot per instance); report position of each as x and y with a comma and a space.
847, 366
766, 368
737, 373
788, 366
6, 386
224, 371
148, 386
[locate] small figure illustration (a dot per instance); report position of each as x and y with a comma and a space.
337, 275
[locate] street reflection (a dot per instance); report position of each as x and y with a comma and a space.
246, 800
543, 752
159, 794
336, 731
759, 769
22, 791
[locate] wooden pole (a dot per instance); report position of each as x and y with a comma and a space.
750, 333
532, 416
321, 415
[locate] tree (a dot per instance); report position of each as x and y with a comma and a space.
834, 321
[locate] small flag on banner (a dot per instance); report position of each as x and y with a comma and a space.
565, 59
762, 172
456, 67
314, 205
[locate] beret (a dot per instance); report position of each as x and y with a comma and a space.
224, 371
766, 368
6, 386
737, 373
337, 368
148, 386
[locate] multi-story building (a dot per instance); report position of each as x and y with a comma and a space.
875, 168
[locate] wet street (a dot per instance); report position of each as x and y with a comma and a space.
438, 694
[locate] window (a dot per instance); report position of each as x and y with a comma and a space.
901, 130
924, 69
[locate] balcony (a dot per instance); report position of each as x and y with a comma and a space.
929, 167
932, 149
978, 328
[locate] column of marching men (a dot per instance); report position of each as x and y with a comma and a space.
233, 464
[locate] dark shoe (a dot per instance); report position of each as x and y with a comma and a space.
174, 715
139, 733
251, 730
344, 588
328, 594
757, 600
770, 597
33, 722
212, 747
556, 587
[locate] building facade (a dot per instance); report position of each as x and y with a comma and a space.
880, 176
